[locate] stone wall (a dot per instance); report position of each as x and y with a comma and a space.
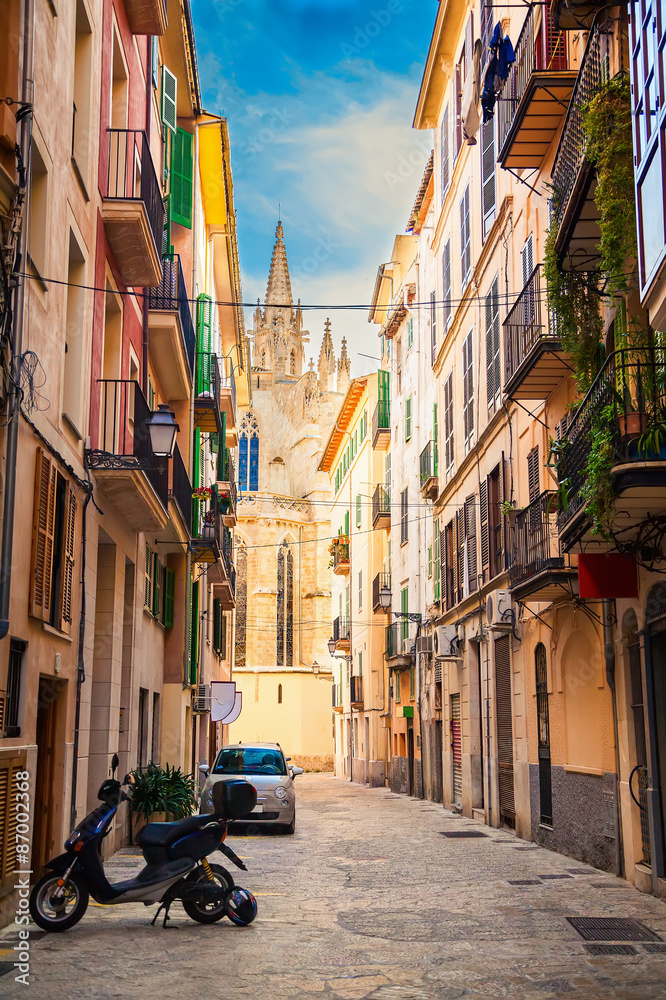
314, 762
399, 775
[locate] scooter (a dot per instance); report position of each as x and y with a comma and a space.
176, 864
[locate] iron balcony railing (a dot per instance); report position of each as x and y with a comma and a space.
535, 541
627, 397
428, 463
171, 296
226, 473
356, 690
207, 381
206, 519
341, 629
227, 549
381, 417
124, 438
400, 638
540, 47
131, 176
570, 153
525, 325
340, 551
181, 487
381, 502
382, 580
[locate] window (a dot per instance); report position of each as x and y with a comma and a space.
182, 175
169, 99
404, 607
360, 589
468, 390
396, 685
495, 517
75, 337
219, 629
488, 174
446, 285
155, 60
444, 154
248, 453
465, 240
292, 363
38, 227
359, 511
285, 606
148, 579
493, 377
158, 574
472, 581
155, 739
404, 516
81, 103
412, 683
143, 727
449, 564
10, 705
193, 651
279, 694
463, 68
53, 539
436, 567
430, 562
410, 332
435, 440
448, 423
527, 260
533, 474
169, 597
408, 418
360, 664
433, 327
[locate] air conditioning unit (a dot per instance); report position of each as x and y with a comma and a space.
202, 698
407, 647
499, 611
445, 640
424, 644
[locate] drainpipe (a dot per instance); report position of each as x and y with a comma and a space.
14, 399
609, 657
81, 667
146, 290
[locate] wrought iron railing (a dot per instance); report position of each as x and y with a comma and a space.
381, 417
341, 630
356, 690
340, 551
124, 437
227, 549
181, 487
131, 176
207, 377
535, 541
570, 153
171, 296
381, 502
626, 399
382, 580
525, 325
540, 46
428, 463
400, 638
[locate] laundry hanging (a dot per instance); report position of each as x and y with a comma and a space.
470, 98
502, 59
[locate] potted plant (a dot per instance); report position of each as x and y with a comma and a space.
160, 794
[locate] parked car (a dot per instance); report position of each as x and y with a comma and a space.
267, 768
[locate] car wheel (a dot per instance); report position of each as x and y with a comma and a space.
289, 827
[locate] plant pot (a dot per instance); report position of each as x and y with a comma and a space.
137, 823
632, 424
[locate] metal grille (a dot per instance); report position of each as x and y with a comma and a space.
555, 876
535, 546
524, 881
655, 949
462, 834
612, 929
504, 728
543, 722
241, 606
610, 949
381, 503
456, 747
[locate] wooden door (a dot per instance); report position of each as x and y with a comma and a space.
504, 729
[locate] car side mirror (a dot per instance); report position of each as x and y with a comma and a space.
204, 768
296, 770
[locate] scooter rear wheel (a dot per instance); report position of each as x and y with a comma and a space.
55, 912
208, 913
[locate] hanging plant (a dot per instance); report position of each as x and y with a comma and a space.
597, 492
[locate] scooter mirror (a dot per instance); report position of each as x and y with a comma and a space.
204, 768
115, 760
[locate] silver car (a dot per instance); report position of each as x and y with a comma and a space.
267, 768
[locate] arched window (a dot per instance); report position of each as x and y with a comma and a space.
285, 607
248, 453
292, 363
279, 694
241, 604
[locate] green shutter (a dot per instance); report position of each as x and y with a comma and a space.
169, 597
182, 177
408, 418
148, 580
435, 431
204, 339
167, 246
346, 522
196, 475
157, 585
404, 607
169, 98
384, 385
359, 513
217, 625
194, 633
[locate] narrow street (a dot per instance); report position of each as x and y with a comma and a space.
368, 899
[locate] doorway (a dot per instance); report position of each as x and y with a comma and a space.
49, 788
543, 722
367, 750
504, 730
410, 757
638, 783
456, 753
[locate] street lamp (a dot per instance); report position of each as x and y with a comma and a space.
162, 428
331, 645
315, 667
385, 597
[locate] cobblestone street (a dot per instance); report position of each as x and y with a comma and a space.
368, 899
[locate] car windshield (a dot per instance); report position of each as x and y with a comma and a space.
249, 760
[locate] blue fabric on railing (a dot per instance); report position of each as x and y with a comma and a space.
502, 59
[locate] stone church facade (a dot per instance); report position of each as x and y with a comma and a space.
283, 588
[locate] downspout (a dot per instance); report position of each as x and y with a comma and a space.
609, 658
81, 667
146, 290
14, 398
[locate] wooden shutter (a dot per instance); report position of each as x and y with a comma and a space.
384, 385
43, 531
408, 418
458, 85
148, 579
204, 337
69, 539
223, 632
501, 514
347, 522
446, 285
493, 378
448, 422
469, 45
10, 767
470, 538
216, 625
182, 175
460, 553
445, 152
169, 99
468, 388
437, 566
157, 585
444, 566
167, 247
488, 174
533, 473
527, 259
485, 537
169, 597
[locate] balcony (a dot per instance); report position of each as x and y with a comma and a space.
381, 507
400, 644
624, 413
226, 479
341, 634
574, 15
381, 425
428, 480
206, 527
176, 536
382, 580
171, 331
573, 211
536, 93
356, 692
228, 398
340, 555
132, 208
223, 574
537, 571
207, 413
146, 17
337, 697
126, 471
534, 363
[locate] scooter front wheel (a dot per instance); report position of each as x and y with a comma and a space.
208, 913
56, 907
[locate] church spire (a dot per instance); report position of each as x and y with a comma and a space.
344, 368
278, 291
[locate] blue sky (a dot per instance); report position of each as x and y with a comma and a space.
320, 96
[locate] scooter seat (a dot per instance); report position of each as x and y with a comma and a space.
165, 834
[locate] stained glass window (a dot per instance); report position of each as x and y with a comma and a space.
241, 605
285, 607
248, 448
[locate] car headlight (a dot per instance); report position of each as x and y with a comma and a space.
280, 792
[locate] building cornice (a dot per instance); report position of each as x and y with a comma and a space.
440, 62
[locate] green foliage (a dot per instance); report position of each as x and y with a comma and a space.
166, 790
597, 491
